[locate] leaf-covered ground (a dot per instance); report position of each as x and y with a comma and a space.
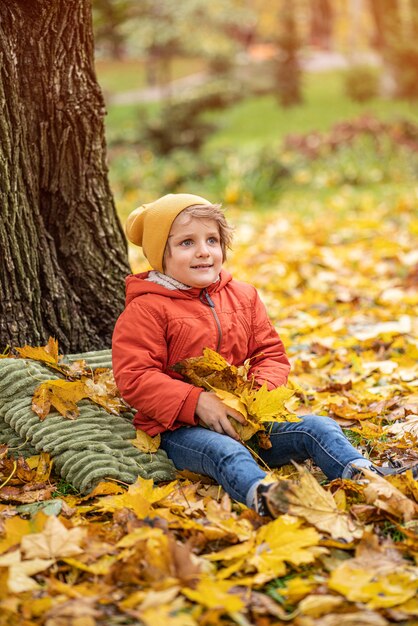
341, 285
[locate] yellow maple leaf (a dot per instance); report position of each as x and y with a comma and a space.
145, 443
245, 431
139, 498
284, 540
298, 588
215, 594
214, 360
376, 590
55, 541
231, 400
63, 395
268, 406
171, 614
239, 551
151, 598
101, 567
47, 354
307, 499
142, 533
230, 384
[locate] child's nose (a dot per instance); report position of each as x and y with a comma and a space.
203, 249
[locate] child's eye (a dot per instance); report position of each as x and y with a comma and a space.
186, 242
213, 240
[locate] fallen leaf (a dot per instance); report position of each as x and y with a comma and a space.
382, 494
172, 614
145, 443
317, 605
355, 618
16, 528
47, 354
307, 499
36, 493
282, 541
375, 590
20, 571
54, 542
62, 395
44, 467
102, 390
139, 497
77, 612
215, 594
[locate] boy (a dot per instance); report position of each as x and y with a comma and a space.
186, 303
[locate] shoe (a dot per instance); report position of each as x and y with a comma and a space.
260, 499
358, 475
393, 471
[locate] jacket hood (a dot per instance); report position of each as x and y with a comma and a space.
137, 285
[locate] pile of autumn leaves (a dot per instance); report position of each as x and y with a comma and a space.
343, 294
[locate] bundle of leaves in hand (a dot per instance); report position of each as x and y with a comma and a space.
237, 390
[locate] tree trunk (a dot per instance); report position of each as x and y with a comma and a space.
386, 16
287, 65
63, 254
321, 22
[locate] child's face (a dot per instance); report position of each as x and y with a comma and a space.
193, 254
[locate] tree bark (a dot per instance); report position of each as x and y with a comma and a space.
63, 253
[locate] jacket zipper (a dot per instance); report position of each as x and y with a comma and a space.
206, 299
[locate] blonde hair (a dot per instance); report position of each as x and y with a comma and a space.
210, 212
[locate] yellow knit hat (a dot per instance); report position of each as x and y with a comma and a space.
149, 225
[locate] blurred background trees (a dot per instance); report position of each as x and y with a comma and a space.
250, 100
220, 32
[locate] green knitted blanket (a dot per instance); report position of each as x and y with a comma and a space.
93, 447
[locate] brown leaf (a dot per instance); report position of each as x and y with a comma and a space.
74, 612
307, 499
382, 494
210, 370
102, 390
23, 496
44, 467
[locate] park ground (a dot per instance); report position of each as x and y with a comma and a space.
324, 201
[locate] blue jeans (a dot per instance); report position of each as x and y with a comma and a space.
231, 465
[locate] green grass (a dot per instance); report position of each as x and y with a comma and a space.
130, 74
256, 121
261, 121
247, 127
123, 121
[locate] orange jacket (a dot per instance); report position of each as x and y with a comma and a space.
160, 327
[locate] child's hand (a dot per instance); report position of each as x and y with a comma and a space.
213, 414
